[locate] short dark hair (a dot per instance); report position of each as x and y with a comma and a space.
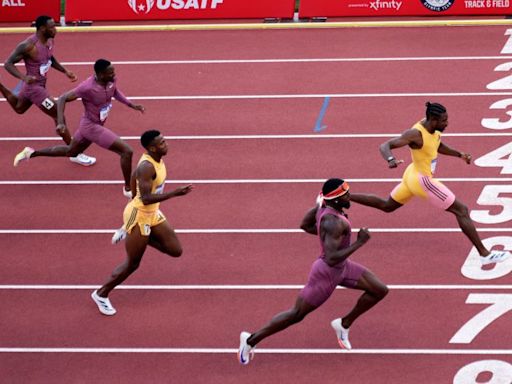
100, 65
147, 137
330, 185
42, 20
434, 110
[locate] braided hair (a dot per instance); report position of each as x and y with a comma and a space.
434, 110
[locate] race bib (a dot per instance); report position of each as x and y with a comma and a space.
433, 166
160, 189
146, 230
105, 111
48, 103
44, 68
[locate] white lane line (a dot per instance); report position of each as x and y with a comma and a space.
247, 181
244, 231
398, 351
314, 95
291, 60
273, 137
245, 287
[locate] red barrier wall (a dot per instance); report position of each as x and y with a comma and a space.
28, 10
332, 8
177, 9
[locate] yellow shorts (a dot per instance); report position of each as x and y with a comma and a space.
416, 184
145, 220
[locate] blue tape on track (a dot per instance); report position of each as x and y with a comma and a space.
318, 126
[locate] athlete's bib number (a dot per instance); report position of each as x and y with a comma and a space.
44, 68
104, 112
47, 103
433, 166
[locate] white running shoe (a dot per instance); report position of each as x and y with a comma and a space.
23, 155
103, 304
341, 334
119, 236
495, 257
245, 351
127, 194
83, 159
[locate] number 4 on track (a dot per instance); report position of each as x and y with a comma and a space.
501, 157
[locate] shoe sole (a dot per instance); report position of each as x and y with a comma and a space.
81, 163
343, 345
485, 262
100, 308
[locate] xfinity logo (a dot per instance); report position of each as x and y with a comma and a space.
378, 4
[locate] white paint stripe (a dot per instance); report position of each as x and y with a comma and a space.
313, 95
259, 137
246, 181
266, 351
290, 60
245, 287
244, 231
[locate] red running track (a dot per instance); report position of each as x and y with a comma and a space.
404, 339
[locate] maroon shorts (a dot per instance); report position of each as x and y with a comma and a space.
37, 95
323, 280
94, 133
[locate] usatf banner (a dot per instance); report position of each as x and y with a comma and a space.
28, 10
177, 9
332, 8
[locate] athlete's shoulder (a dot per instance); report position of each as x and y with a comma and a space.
418, 125
26, 45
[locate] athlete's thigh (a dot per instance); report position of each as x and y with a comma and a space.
52, 112
78, 146
135, 244
166, 237
40, 97
401, 194
23, 105
98, 134
370, 282
117, 145
437, 194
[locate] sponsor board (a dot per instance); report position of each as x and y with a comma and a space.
333, 8
177, 9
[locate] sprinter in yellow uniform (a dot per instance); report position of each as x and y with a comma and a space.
144, 224
424, 140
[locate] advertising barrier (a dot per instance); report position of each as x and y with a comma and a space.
28, 10
333, 8
177, 9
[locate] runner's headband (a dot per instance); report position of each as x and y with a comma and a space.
340, 191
